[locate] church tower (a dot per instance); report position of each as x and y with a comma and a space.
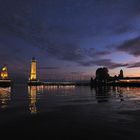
4, 72
121, 74
33, 76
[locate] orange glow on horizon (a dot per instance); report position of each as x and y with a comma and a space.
128, 72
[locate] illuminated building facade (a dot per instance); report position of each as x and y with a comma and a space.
33, 76
4, 73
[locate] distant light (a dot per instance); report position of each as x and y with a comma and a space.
4, 73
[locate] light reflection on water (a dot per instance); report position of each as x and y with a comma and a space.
5, 96
37, 93
44, 98
32, 91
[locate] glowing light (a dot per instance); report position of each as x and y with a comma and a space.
33, 70
32, 93
4, 68
4, 73
5, 96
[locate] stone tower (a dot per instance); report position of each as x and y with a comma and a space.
33, 76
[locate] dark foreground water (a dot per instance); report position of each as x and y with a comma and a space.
70, 112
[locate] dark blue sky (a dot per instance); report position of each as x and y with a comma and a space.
70, 37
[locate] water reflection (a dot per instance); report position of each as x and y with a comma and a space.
128, 93
102, 93
32, 90
54, 88
41, 93
5, 97
60, 90
121, 93
42, 98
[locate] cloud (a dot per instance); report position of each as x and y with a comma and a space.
131, 46
92, 52
126, 28
38, 37
134, 65
103, 62
28, 23
76, 72
67, 52
73, 52
49, 68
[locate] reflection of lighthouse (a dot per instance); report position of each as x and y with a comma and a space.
32, 90
33, 70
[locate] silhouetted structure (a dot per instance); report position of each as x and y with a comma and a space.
102, 76
120, 76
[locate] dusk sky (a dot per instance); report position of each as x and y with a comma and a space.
70, 37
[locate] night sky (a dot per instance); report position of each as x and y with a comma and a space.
70, 38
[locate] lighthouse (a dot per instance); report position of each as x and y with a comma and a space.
33, 80
33, 76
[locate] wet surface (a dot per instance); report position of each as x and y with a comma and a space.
70, 112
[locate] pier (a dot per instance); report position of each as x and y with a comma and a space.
5, 83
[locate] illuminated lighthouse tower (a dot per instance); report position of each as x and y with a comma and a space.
4, 73
33, 76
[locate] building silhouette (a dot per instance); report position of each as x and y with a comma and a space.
102, 75
121, 76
